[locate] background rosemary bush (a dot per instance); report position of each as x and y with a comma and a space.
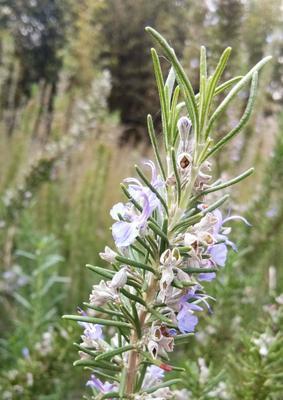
79, 111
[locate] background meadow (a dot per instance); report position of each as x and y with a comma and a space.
76, 84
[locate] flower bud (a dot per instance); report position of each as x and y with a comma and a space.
184, 126
119, 279
108, 255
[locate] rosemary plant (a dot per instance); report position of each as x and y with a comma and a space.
170, 236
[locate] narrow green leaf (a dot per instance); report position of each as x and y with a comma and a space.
218, 90
142, 372
154, 143
215, 205
104, 310
243, 121
101, 374
181, 76
136, 319
100, 321
158, 231
226, 85
177, 176
111, 395
203, 84
164, 242
24, 302
145, 245
161, 92
215, 79
133, 297
123, 381
171, 382
231, 182
101, 364
180, 339
174, 114
134, 263
101, 271
86, 350
234, 91
203, 66
112, 353
200, 270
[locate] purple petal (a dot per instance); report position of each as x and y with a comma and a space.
236, 217
99, 385
155, 372
218, 254
124, 233
217, 226
151, 164
95, 383
207, 277
186, 321
147, 209
117, 209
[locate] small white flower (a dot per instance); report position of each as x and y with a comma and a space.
119, 279
263, 343
170, 259
108, 255
204, 371
102, 293
158, 343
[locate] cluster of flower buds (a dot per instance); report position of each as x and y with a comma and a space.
170, 237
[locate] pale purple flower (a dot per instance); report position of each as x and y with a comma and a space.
25, 352
156, 179
137, 190
272, 212
125, 211
186, 318
153, 375
218, 254
221, 232
92, 334
130, 222
101, 387
102, 293
210, 237
206, 277
125, 232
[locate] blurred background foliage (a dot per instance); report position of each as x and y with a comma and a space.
76, 84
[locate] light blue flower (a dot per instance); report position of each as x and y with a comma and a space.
186, 318
97, 384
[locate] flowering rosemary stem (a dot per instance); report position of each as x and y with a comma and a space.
170, 236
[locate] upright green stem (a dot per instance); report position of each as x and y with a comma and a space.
134, 356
